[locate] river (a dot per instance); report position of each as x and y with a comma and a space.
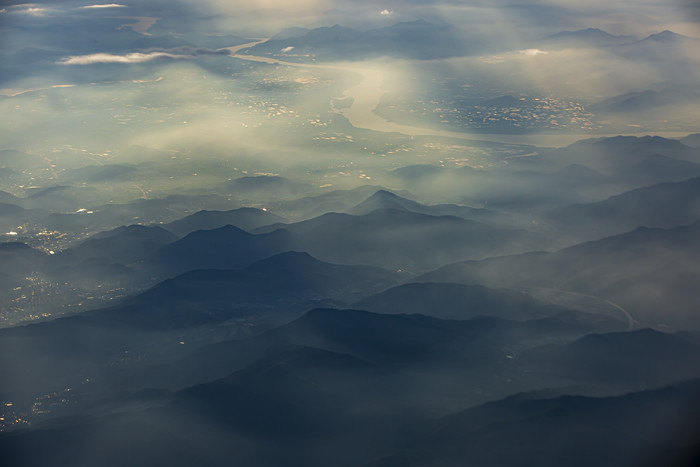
367, 94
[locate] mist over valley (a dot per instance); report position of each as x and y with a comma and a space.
326, 232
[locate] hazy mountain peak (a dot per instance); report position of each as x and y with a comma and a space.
227, 229
288, 259
588, 32
666, 36
382, 199
246, 218
386, 195
593, 36
290, 33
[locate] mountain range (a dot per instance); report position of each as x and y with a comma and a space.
416, 39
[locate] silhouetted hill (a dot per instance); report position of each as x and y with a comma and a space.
11, 211
616, 154
645, 100
126, 244
456, 301
400, 239
384, 199
617, 268
199, 307
19, 259
627, 360
333, 201
167, 209
113, 258
243, 218
346, 378
417, 344
9, 198
268, 400
663, 205
692, 140
651, 169
12, 216
62, 198
666, 36
274, 286
644, 429
227, 247
591, 37
665, 46
586, 171
416, 39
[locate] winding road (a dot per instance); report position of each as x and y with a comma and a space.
631, 322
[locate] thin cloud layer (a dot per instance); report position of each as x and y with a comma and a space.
533, 52
179, 53
105, 5
135, 57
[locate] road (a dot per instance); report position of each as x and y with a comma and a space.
631, 322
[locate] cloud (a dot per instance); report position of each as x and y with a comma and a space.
386, 12
28, 8
105, 5
287, 49
187, 50
491, 59
533, 52
179, 53
135, 57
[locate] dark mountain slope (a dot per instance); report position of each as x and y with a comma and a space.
416, 39
663, 205
645, 358
227, 247
457, 301
640, 429
126, 244
384, 199
400, 239
650, 272
243, 218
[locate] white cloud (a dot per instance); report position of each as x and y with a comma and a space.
386, 12
29, 8
135, 57
533, 52
105, 5
287, 49
491, 59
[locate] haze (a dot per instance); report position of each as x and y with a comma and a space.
363, 233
